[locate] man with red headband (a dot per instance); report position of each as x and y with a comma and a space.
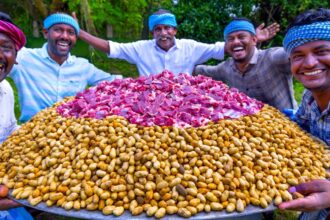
12, 39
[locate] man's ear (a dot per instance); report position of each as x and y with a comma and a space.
254, 40
45, 33
175, 30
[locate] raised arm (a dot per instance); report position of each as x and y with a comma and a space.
97, 43
267, 33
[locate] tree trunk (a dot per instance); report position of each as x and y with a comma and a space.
109, 31
36, 32
86, 13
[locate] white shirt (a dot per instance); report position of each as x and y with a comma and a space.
7, 116
181, 58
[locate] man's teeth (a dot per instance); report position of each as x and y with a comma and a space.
63, 44
238, 48
312, 73
2, 67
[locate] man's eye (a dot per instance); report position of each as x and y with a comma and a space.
297, 56
7, 48
57, 29
323, 51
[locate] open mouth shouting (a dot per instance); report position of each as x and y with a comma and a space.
3, 71
2, 68
63, 45
238, 51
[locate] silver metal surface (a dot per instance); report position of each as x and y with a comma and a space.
251, 212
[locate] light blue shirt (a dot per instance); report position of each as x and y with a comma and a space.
181, 58
41, 81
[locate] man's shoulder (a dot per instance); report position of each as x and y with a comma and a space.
186, 42
138, 42
5, 87
275, 55
30, 50
29, 53
273, 50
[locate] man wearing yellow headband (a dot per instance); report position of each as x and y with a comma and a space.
261, 74
164, 52
307, 42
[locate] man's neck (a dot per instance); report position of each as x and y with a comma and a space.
322, 98
58, 59
244, 64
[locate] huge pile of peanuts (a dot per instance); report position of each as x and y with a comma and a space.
112, 166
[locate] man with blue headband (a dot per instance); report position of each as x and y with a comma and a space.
307, 42
46, 75
164, 52
261, 74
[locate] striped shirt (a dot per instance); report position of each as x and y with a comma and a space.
41, 81
312, 120
268, 77
315, 215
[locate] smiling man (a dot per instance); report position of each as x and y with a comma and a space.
12, 39
308, 44
46, 75
165, 51
261, 74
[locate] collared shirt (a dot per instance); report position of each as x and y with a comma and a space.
268, 77
312, 120
41, 81
151, 59
7, 116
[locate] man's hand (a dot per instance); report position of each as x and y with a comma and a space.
317, 194
6, 203
267, 33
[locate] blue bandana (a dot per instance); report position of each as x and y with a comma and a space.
238, 25
299, 35
165, 19
60, 18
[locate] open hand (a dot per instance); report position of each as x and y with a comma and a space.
317, 196
266, 33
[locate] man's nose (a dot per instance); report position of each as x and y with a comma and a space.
310, 61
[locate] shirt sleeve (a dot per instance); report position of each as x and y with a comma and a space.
204, 52
280, 60
215, 72
125, 51
20, 54
99, 75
